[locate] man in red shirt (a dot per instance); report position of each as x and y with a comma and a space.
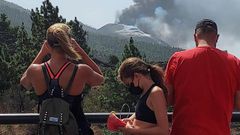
203, 85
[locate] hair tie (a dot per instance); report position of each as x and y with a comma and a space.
149, 68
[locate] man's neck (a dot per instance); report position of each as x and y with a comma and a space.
205, 43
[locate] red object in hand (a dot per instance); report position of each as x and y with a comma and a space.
113, 122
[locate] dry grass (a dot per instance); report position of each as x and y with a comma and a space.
18, 129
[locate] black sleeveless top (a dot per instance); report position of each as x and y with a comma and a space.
143, 112
75, 102
52, 79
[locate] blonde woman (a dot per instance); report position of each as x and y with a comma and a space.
71, 78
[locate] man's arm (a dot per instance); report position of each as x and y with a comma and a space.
170, 95
169, 78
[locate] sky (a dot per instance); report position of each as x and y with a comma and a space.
172, 21
95, 13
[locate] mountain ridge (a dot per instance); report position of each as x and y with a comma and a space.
14, 11
105, 41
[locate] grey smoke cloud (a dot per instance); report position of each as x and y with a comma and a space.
174, 20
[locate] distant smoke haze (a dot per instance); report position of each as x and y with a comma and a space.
174, 20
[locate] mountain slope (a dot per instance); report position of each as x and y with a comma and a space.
106, 41
16, 14
122, 30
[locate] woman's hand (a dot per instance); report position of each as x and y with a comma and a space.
128, 121
86, 59
128, 129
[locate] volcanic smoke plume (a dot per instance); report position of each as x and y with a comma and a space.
174, 20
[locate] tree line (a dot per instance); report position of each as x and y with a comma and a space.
18, 48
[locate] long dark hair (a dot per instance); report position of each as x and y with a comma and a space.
136, 65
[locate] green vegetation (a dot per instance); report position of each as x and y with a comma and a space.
18, 47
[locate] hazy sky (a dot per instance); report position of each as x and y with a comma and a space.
95, 13
170, 20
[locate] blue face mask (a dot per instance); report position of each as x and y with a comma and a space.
134, 90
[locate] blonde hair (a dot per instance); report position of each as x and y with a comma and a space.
58, 35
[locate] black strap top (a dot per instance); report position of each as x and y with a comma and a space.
143, 112
75, 102
53, 81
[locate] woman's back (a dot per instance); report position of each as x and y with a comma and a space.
83, 76
63, 49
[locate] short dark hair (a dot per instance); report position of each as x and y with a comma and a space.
206, 25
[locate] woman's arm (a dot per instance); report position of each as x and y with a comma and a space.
87, 60
159, 106
25, 79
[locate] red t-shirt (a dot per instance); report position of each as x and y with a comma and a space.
204, 81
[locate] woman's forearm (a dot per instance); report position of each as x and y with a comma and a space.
87, 60
150, 131
39, 58
45, 50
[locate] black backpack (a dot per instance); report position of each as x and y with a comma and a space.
55, 115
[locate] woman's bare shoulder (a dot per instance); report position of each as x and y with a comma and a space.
156, 89
84, 68
34, 67
157, 92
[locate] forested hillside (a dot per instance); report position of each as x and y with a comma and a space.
102, 44
18, 47
16, 14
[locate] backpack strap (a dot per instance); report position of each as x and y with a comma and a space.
46, 76
71, 79
60, 71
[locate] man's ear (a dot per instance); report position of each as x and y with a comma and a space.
196, 39
217, 38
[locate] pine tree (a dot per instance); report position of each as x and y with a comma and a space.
7, 49
42, 19
50, 14
79, 34
24, 53
134, 51
24, 47
7, 33
130, 50
126, 52
38, 33
4, 68
113, 60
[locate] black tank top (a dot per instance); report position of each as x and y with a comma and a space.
143, 112
50, 79
75, 102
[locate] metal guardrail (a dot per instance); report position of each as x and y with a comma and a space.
33, 118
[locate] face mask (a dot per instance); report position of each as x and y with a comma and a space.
134, 90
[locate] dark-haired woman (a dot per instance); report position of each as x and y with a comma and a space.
150, 117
